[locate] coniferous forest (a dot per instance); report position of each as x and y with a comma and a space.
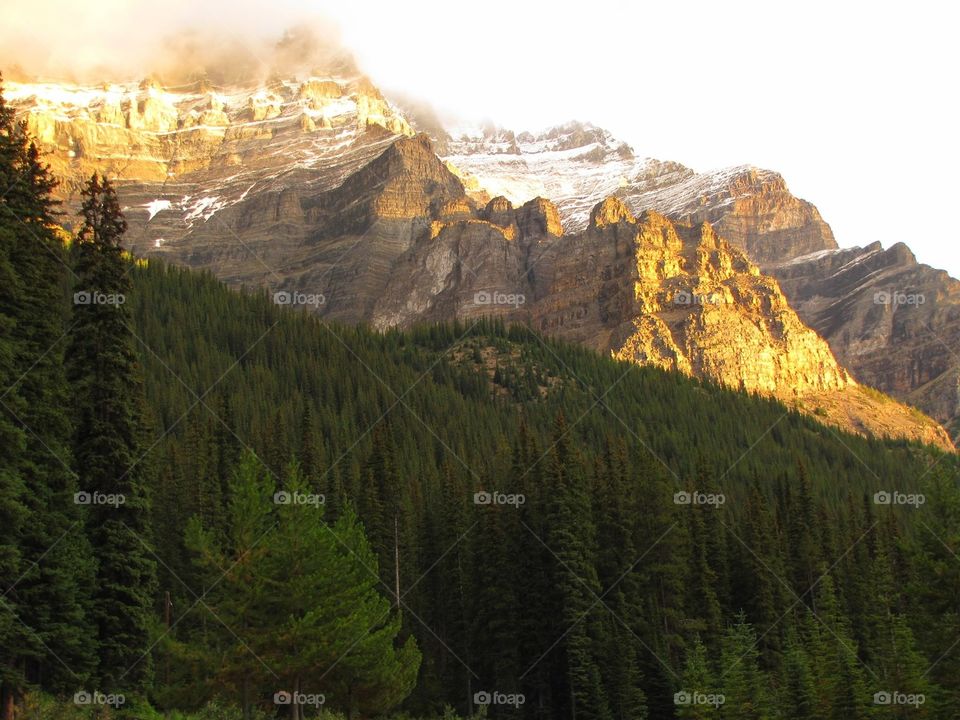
215, 507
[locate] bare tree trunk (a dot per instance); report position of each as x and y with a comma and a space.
396, 558
245, 696
167, 605
296, 714
7, 704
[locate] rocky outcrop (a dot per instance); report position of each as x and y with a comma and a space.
578, 165
145, 133
894, 322
675, 295
754, 210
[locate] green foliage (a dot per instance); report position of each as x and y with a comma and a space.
108, 448
297, 600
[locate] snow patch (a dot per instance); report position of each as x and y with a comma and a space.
157, 206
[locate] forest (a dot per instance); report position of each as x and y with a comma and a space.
215, 507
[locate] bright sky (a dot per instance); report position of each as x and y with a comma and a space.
854, 103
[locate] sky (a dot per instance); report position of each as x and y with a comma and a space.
855, 104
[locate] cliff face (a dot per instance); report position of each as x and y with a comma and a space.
317, 190
892, 321
578, 165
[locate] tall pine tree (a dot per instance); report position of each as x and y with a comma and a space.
108, 441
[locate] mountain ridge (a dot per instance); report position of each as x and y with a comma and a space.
324, 191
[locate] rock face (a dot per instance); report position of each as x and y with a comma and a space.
653, 291
151, 139
578, 165
894, 322
318, 190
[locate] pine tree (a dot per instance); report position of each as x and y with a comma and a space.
15, 640
842, 687
697, 685
746, 688
799, 696
617, 559
304, 597
52, 590
105, 375
571, 538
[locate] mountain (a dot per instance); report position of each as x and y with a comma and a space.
577, 165
905, 349
894, 322
319, 189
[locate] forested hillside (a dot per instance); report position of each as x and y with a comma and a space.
600, 586
212, 504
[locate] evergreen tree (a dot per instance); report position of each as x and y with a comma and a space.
52, 589
799, 696
697, 686
108, 442
746, 688
571, 539
304, 595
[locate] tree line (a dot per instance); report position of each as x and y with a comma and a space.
206, 498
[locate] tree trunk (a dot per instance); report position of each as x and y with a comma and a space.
396, 557
295, 705
245, 696
7, 705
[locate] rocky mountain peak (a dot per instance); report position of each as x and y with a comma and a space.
610, 211
539, 217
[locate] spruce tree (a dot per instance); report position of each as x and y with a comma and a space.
697, 684
746, 688
571, 538
301, 600
52, 591
108, 441
15, 640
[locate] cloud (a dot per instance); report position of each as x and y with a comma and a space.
177, 40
